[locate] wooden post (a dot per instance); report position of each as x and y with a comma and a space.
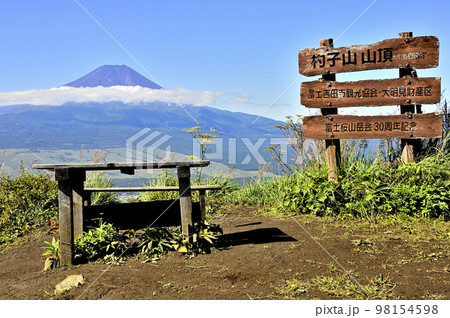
184, 179
408, 146
70, 197
333, 147
202, 205
65, 222
77, 179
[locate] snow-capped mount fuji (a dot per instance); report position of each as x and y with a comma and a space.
113, 75
108, 122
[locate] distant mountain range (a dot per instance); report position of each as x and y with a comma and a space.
94, 125
113, 75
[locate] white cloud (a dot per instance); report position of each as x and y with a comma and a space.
127, 94
240, 99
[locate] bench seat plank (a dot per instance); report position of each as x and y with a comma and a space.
137, 189
127, 166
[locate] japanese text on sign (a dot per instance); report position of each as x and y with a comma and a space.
331, 58
376, 126
415, 52
370, 92
372, 127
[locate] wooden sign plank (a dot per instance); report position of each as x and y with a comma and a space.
406, 126
397, 91
416, 52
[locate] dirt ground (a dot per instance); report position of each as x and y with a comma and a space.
260, 257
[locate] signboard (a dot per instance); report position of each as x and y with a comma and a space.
415, 52
397, 91
411, 126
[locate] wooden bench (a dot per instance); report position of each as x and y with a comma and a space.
72, 195
201, 188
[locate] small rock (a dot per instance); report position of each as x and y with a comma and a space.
68, 283
50, 263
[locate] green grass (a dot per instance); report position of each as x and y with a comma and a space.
368, 188
97, 179
339, 286
215, 199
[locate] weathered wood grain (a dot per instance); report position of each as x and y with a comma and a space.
332, 146
76, 179
77, 208
65, 222
407, 126
126, 166
202, 199
137, 189
396, 91
409, 147
416, 52
184, 176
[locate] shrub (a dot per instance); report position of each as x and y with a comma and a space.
103, 243
27, 201
203, 242
366, 188
106, 244
368, 185
51, 249
155, 242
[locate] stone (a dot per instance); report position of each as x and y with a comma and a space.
70, 282
50, 263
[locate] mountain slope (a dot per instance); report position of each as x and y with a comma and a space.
97, 125
94, 125
113, 75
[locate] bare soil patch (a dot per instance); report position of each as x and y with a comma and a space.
259, 257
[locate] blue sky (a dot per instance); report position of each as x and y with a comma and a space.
245, 52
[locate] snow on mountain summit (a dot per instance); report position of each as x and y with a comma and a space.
113, 75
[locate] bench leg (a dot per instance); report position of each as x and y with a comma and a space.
77, 206
184, 179
202, 205
65, 222
70, 199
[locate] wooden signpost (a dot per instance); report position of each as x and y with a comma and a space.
372, 127
408, 91
332, 146
397, 91
418, 52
